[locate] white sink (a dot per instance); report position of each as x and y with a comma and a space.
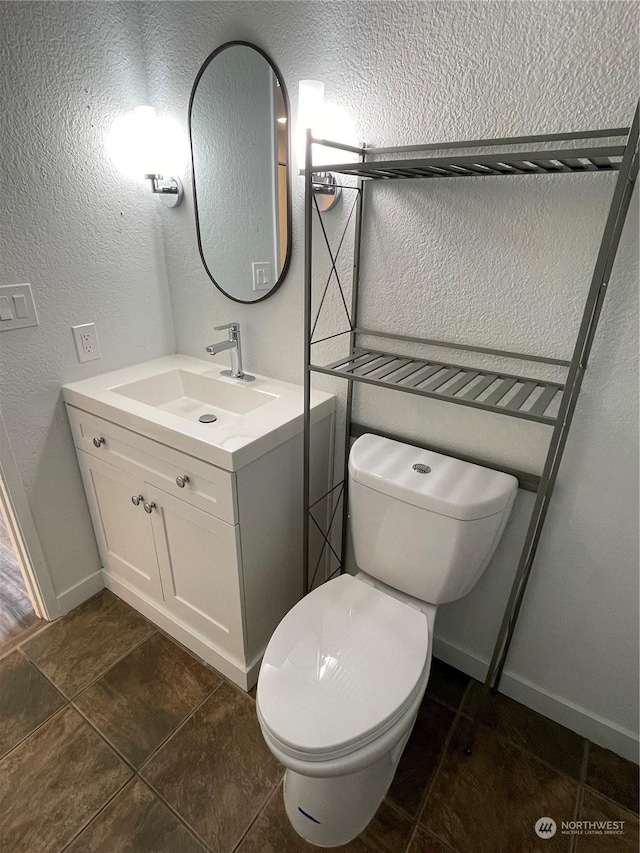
191, 395
165, 398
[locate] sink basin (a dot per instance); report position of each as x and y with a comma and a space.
191, 395
164, 400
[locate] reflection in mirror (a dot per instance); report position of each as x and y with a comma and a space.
239, 128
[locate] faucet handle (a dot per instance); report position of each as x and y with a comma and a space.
232, 326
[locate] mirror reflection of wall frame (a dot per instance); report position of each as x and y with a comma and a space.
239, 128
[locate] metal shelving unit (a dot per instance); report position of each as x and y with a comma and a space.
521, 396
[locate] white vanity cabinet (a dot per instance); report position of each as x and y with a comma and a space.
213, 557
199, 557
168, 551
124, 532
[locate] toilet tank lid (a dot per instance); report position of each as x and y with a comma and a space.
450, 487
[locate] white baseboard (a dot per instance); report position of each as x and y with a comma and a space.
594, 728
81, 591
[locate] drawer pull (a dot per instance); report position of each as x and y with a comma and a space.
148, 507
182, 481
136, 500
98, 441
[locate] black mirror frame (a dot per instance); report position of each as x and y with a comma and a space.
285, 95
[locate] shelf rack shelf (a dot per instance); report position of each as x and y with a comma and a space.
612, 150
526, 163
577, 153
505, 393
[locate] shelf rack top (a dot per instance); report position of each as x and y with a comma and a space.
573, 153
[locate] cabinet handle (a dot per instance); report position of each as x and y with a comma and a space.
136, 500
182, 481
149, 506
98, 441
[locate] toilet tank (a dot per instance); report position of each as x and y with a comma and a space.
421, 522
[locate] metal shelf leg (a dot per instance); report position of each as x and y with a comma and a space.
593, 307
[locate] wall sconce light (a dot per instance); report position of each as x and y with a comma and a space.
312, 114
145, 146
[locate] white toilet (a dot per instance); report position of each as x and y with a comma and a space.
345, 671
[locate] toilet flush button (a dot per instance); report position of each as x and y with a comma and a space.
421, 469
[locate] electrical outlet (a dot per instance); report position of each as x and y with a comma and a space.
261, 275
86, 341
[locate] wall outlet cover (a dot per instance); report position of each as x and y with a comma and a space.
86, 341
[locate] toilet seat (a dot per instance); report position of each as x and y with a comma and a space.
341, 669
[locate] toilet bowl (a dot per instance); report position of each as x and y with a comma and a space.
339, 691
345, 672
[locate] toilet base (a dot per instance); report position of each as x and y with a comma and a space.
333, 810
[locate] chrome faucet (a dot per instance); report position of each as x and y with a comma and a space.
233, 343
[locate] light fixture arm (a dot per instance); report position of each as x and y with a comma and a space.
168, 188
324, 183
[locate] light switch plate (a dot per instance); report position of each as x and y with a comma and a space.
86, 341
17, 308
261, 275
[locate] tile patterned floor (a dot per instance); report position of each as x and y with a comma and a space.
114, 739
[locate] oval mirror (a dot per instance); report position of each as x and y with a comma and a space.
239, 130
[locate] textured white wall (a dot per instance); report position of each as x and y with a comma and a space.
89, 242
92, 247
479, 251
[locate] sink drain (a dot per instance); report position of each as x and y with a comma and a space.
207, 419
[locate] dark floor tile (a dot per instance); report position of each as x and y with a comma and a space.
216, 771
26, 700
388, 831
489, 802
446, 684
78, 648
54, 782
135, 821
24, 635
421, 756
143, 698
613, 776
598, 809
424, 842
545, 738
272, 833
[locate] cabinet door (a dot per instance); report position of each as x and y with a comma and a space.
123, 531
199, 566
